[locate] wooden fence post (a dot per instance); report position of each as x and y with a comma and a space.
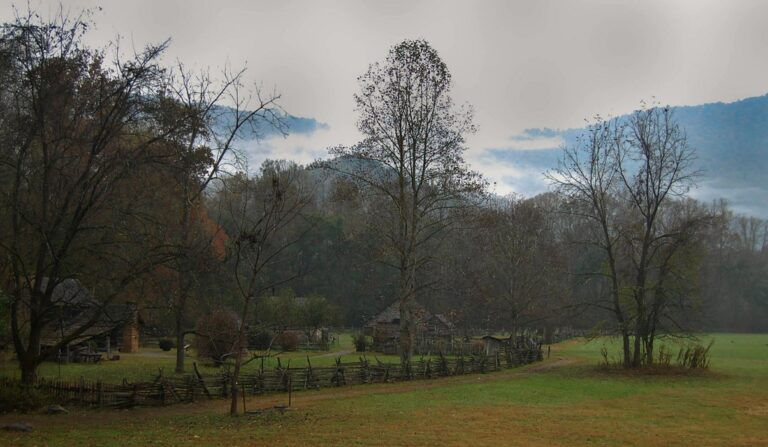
290, 389
135, 396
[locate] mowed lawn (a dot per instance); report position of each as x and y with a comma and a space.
563, 401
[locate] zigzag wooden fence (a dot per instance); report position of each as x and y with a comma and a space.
191, 387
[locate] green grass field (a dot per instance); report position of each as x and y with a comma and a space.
146, 364
563, 401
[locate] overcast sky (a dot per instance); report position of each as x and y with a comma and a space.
520, 64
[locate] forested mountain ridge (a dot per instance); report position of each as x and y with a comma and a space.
730, 140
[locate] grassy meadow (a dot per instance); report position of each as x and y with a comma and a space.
564, 401
146, 364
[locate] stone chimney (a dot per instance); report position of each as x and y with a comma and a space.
131, 331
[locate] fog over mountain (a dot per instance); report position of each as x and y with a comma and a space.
730, 139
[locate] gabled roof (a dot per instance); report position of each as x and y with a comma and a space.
442, 319
112, 317
491, 337
392, 313
69, 292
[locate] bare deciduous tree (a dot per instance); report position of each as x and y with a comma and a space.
260, 210
627, 177
518, 277
77, 135
411, 158
199, 155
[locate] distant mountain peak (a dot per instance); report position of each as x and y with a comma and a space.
730, 139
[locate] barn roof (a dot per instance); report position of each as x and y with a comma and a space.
392, 313
69, 293
497, 339
442, 319
112, 317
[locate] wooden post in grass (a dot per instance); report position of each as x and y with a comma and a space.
308, 376
191, 387
135, 395
243, 393
290, 389
201, 381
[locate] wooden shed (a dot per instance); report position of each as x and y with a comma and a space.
384, 328
493, 345
113, 325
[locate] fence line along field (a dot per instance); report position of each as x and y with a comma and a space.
189, 388
566, 400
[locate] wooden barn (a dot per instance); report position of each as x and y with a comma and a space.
431, 329
116, 326
494, 345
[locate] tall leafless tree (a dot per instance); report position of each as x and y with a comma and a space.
627, 178
411, 158
260, 211
219, 113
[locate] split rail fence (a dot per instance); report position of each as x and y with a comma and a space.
192, 387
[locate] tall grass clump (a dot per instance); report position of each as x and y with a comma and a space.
695, 356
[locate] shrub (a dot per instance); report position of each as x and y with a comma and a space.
288, 341
15, 397
361, 342
665, 357
166, 344
216, 337
695, 356
260, 340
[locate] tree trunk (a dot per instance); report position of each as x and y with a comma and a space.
28, 365
548, 329
636, 355
625, 348
179, 344
184, 272
649, 349
235, 395
407, 317
240, 344
406, 332
513, 331
31, 357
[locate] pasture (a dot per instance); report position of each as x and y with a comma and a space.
149, 361
563, 401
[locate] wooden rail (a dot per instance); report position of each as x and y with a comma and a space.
188, 388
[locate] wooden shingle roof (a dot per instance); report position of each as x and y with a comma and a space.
391, 314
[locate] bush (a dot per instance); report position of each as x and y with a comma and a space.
260, 340
361, 342
15, 397
695, 356
288, 341
166, 344
216, 337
